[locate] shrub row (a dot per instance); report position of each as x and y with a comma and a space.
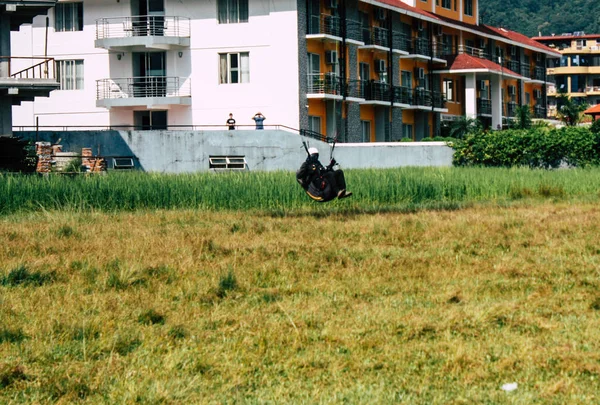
536, 148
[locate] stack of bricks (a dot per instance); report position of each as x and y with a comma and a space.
93, 165
43, 150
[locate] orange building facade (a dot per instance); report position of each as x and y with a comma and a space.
384, 70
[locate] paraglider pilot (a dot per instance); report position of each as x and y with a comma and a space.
321, 183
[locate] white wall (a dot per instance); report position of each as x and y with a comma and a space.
270, 37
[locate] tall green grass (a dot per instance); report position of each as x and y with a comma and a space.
373, 189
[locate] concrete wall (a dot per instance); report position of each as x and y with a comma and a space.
189, 151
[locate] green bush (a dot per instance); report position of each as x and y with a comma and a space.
537, 147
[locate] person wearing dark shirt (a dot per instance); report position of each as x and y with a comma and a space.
231, 122
321, 183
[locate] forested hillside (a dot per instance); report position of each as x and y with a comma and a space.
531, 17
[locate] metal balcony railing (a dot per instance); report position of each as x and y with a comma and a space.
525, 70
539, 111
420, 46
325, 24
539, 73
510, 109
512, 65
355, 89
484, 106
376, 36
439, 101
143, 26
402, 95
324, 83
401, 42
592, 89
476, 52
45, 68
353, 30
143, 87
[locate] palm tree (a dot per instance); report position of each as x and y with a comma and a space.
569, 111
464, 126
523, 117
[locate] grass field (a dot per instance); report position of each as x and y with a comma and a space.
217, 306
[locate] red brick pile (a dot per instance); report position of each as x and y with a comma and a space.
43, 150
93, 165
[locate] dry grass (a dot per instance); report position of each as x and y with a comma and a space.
204, 307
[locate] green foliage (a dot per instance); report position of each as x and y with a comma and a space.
11, 335
151, 317
569, 111
523, 117
464, 126
535, 148
22, 276
226, 283
595, 127
74, 166
11, 374
531, 17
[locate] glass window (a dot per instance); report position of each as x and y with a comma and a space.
407, 131
469, 7
366, 131
68, 17
234, 67
406, 79
447, 4
232, 11
449, 89
70, 74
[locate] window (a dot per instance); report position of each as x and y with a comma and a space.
449, 89
366, 131
68, 17
469, 7
406, 79
234, 67
232, 11
407, 131
447, 4
70, 74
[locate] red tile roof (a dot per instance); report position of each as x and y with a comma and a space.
482, 29
468, 62
518, 37
559, 37
593, 110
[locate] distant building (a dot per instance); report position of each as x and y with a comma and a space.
26, 77
577, 72
366, 70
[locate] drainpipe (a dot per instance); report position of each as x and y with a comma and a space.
342, 8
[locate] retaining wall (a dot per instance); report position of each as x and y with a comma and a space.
267, 150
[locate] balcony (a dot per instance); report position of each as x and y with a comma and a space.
330, 28
401, 43
377, 92
150, 91
538, 74
510, 109
143, 33
539, 112
376, 38
325, 86
472, 51
420, 48
592, 90
484, 107
25, 81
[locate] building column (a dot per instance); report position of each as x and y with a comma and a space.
470, 95
496, 95
5, 101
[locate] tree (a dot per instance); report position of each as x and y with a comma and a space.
569, 111
523, 117
464, 126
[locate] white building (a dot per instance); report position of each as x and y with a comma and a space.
164, 66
